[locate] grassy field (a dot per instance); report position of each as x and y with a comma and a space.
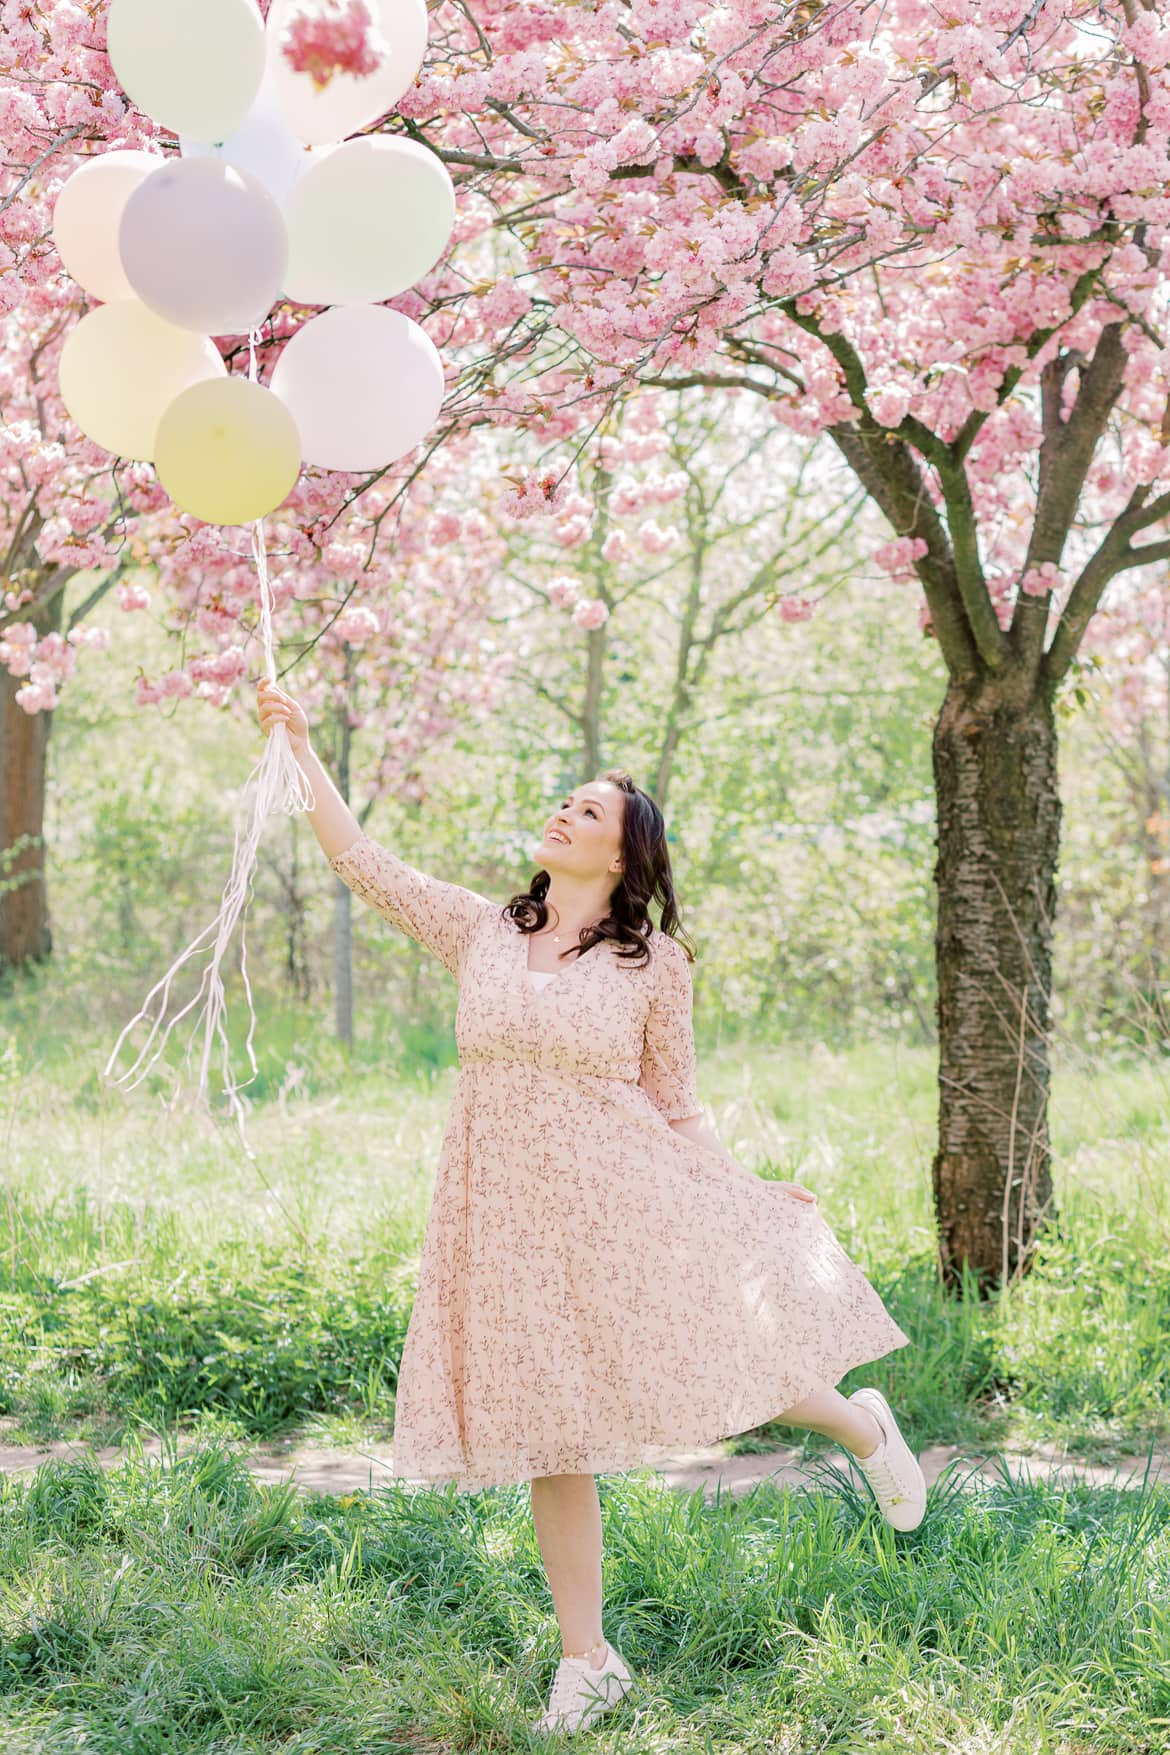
152, 1279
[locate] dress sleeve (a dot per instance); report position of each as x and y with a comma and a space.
441, 916
668, 1051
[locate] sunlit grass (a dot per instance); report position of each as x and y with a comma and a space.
137, 1238
154, 1280
182, 1606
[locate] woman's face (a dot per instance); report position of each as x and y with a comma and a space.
590, 822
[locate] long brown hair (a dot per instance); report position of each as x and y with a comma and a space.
645, 874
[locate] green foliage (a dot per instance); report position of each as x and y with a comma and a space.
255, 1334
149, 1274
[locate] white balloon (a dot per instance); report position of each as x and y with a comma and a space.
120, 369
263, 145
193, 65
86, 216
368, 219
348, 103
205, 246
363, 384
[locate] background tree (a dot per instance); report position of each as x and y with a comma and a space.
672, 584
1127, 674
940, 242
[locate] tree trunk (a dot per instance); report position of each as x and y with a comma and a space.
596, 641
25, 935
998, 803
297, 967
343, 910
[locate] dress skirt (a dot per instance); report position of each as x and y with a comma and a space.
595, 1291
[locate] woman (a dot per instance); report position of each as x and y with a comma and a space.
600, 1283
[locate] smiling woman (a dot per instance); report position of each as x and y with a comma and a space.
597, 1287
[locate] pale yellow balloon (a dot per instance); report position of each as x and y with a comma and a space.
122, 365
229, 452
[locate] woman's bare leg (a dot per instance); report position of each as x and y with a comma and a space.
832, 1413
567, 1514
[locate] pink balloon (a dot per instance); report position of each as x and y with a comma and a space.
363, 384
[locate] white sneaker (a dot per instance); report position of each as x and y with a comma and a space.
892, 1470
580, 1694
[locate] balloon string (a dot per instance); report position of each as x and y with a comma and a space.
275, 783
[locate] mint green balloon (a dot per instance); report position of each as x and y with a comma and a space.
366, 220
194, 66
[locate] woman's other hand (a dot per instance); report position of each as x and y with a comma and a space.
796, 1189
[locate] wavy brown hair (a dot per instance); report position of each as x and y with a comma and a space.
645, 875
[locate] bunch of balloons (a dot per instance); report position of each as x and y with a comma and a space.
268, 200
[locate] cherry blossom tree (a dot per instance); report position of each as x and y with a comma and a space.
380, 596
940, 240
936, 238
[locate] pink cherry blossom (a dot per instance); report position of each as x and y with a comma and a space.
562, 592
796, 609
897, 558
931, 218
889, 403
132, 596
654, 540
36, 697
1038, 580
591, 614
356, 625
325, 37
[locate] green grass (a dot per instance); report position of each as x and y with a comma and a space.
181, 1606
151, 1274
153, 1279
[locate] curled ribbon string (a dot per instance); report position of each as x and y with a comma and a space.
275, 783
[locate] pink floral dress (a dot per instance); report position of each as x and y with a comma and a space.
595, 1291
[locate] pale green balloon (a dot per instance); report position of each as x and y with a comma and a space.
228, 452
192, 65
366, 220
122, 365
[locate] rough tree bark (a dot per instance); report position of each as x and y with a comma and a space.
25, 932
997, 800
999, 811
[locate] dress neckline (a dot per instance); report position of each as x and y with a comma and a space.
553, 974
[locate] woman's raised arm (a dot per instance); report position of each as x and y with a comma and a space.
443, 917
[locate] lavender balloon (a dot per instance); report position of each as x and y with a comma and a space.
205, 246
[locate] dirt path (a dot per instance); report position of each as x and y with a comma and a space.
319, 1469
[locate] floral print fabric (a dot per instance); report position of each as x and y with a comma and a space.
595, 1291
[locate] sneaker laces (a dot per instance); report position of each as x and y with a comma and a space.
883, 1478
566, 1689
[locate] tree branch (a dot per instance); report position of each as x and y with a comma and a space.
98, 592
1066, 453
960, 608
